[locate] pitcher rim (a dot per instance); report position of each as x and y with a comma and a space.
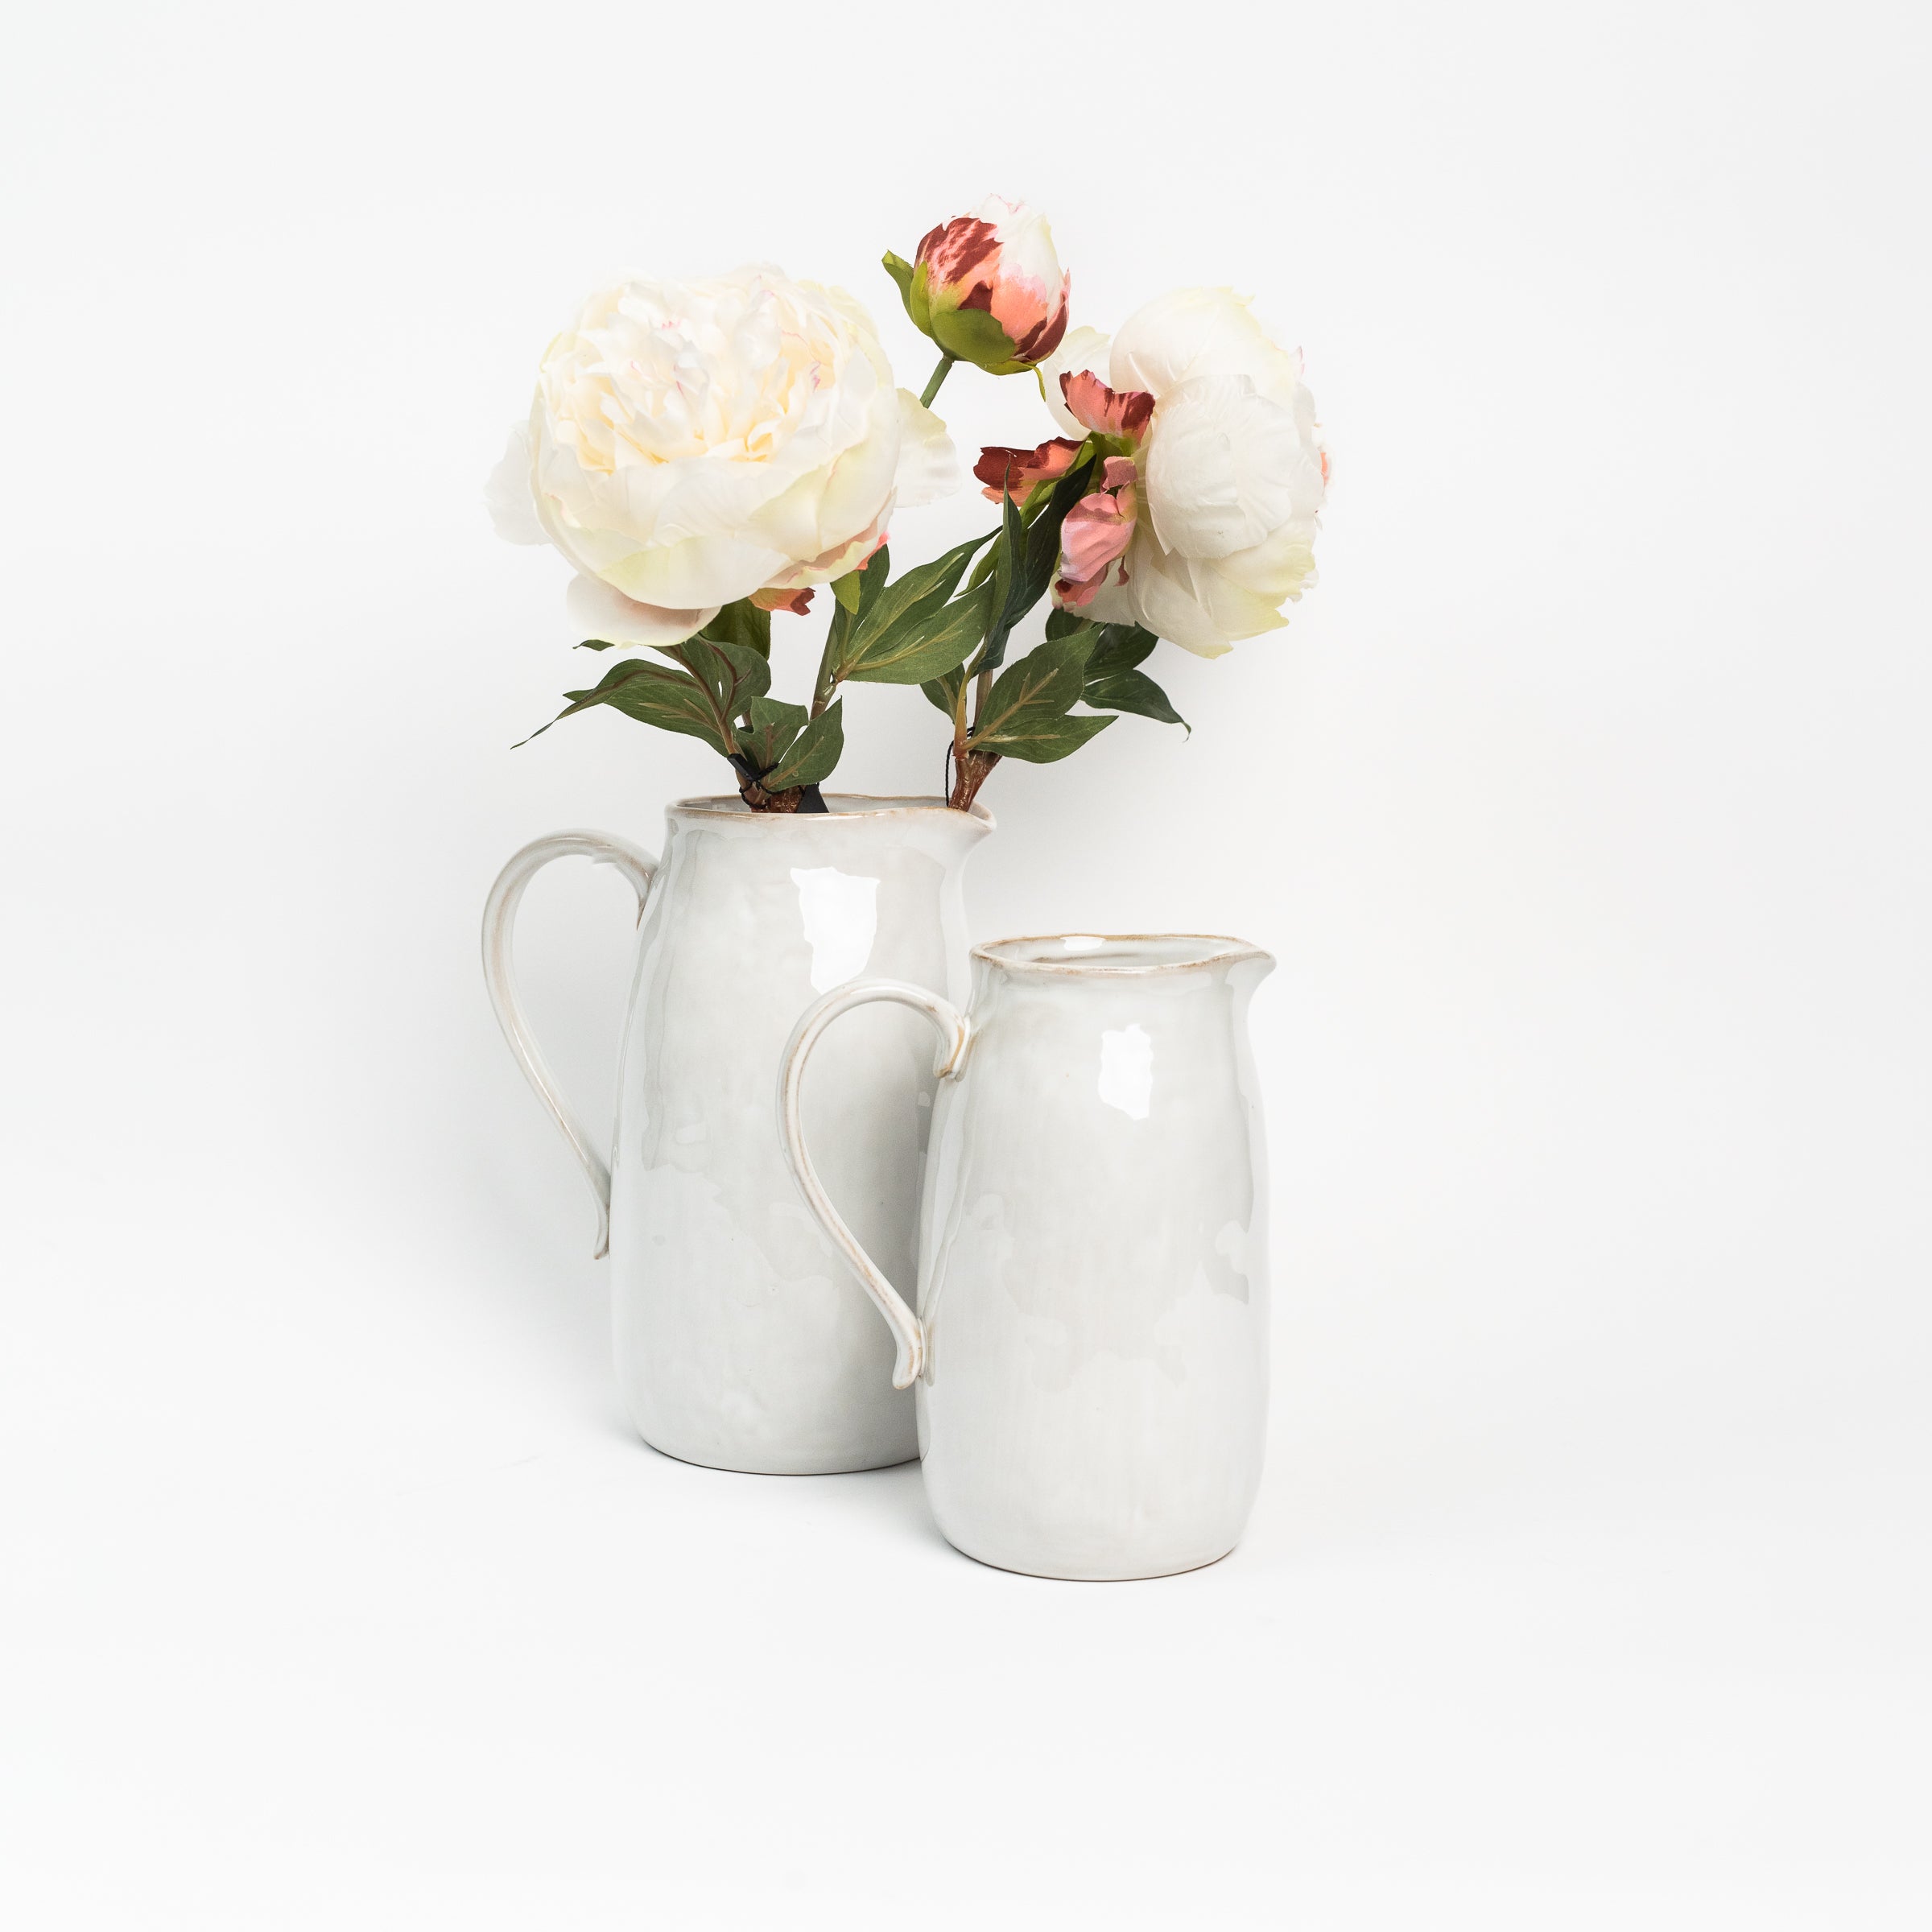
1084, 963
872, 805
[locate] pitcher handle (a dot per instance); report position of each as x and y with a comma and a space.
499, 972
954, 1029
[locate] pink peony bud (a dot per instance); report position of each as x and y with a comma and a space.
988, 287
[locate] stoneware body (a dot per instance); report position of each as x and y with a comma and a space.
1090, 1346
743, 1342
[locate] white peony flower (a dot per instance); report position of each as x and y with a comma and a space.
692, 442
1210, 527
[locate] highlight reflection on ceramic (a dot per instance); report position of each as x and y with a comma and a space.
1091, 1345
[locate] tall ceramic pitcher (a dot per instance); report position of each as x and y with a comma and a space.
743, 1341
1091, 1348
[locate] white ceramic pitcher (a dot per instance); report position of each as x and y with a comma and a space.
1091, 1348
742, 1340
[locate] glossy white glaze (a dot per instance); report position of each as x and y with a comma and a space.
1091, 1348
742, 1340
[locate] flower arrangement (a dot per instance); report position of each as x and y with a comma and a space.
708, 454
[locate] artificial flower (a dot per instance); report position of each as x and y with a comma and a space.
1228, 472
691, 444
988, 287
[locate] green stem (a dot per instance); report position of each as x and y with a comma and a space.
828, 681
947, 360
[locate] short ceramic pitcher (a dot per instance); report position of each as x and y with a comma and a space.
1091, 1348
742, 1341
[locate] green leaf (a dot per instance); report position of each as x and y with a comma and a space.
975, 336
1112, 683
916, 596
847, 590
733, 674
1119, 647
741, 623
812, 755
1052, 672
841, 618
1135, 691
1007, 610
1031, 695
1043, 739
771, 728
900, 271
654, 694
915, 650
1062, 623
943, 690
826, 681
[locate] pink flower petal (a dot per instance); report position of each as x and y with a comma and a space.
1113, 412
798, 602
1023, 470
954, 249
1098, 529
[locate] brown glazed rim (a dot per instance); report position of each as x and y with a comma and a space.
1228, 952
728, 805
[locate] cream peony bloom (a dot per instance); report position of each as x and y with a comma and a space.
1226, 478
692, 443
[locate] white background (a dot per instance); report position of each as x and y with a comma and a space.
1583, 803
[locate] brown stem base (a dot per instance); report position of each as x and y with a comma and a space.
759, 799
970, 770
